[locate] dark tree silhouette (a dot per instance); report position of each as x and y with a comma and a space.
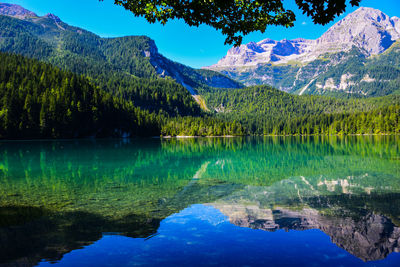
235, 18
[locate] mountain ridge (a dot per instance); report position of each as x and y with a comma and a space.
51, 38
15, 11
349, 59
342, 36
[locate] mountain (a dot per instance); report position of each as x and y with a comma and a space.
38, 100
15, 11
48, 38
347, 209
369, 237
368, 29
138, 91
346, 58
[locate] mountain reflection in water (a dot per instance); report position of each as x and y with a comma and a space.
56, 197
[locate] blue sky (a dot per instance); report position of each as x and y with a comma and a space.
192, 46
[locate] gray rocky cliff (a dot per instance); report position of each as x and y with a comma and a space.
188, 77
369, 237
366, 28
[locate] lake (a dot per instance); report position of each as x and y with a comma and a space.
277, 201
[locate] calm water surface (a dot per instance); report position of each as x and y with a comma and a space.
233, 201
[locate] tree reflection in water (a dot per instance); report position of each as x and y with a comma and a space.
56, 197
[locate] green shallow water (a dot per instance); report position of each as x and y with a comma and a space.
59, 196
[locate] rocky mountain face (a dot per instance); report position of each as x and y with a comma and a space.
299, 66
15, 11
368, 29
370, 237
50, 39
188, 77
348, 209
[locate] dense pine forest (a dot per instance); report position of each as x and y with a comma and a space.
38, 100
263, 110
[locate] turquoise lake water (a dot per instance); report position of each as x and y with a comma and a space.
273, 201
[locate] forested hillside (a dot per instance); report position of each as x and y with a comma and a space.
49, 39
356, 74
265, 110
42, 101
38, 100
127, 69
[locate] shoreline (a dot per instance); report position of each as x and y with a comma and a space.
272, 135
199, 136
195, 136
